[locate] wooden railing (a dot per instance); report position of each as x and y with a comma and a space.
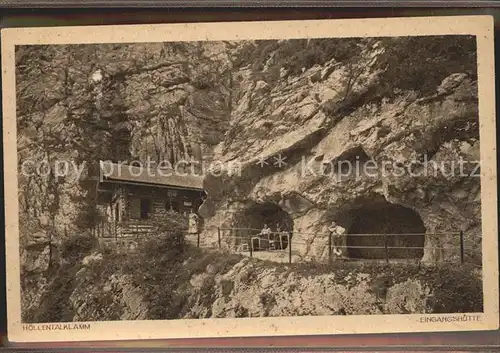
122, 229
248, 240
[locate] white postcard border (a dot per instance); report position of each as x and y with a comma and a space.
481, 26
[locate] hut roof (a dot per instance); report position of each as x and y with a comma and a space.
114, 172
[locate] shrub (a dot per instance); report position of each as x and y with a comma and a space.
173, 222
456, 289
293, 55
202, 81
54, 304
163, 246
421, 63
75, 248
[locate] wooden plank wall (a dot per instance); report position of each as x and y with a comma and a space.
131, 229
127, 226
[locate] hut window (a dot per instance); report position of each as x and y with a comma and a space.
172, 205
171, 193
145, 208
135, 208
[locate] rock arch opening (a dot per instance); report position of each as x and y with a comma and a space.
253, 220
380, 223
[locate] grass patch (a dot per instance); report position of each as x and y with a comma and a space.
163, 266
54, 303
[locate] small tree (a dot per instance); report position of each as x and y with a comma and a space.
354, 69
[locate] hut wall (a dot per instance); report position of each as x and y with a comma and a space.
131, 201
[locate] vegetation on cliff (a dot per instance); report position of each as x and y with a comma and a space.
167, 278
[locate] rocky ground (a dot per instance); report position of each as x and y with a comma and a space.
243, 287
200, 283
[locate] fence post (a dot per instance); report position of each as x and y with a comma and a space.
329, 247
218, 237
461, 247
250, 243
289, 249
386, 249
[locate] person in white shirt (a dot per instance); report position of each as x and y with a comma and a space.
262, 238
193, 223
265, 231
337, 233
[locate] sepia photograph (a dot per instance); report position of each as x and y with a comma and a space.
250, 179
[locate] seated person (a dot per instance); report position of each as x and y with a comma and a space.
263, 237
274, 239
281, 237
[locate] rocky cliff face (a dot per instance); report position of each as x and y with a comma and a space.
78, 104
82, 103
412, 149
311, 104
314, 105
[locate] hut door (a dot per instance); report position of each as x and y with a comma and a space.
135, 208
145, 208
117, 212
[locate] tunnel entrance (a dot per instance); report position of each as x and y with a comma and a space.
383, 223
252, 223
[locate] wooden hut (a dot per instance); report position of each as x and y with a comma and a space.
135, 198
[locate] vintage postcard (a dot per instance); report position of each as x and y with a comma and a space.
250, 179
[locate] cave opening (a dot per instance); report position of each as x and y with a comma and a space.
381, 224
251, 223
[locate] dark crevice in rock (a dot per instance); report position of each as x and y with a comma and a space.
138, 70
350, 162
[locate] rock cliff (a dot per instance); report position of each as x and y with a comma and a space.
77, 104
332, 144
353, 130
